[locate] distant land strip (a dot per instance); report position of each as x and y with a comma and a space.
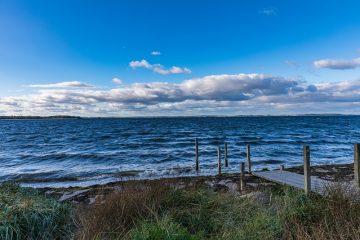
39, 117
197, 116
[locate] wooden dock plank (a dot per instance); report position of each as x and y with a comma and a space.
294, 179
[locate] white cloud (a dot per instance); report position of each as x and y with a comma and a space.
214, 94
172, 70
268, 11
337, 63
117, 80
140, 64
158, 68
155, 53
74, 84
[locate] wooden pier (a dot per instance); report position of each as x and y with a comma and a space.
295, 180
306, 182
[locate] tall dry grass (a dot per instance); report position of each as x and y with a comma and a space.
156, 211
336, 216
160, 212
120, 212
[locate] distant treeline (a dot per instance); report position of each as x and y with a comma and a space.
202, 116
39, 117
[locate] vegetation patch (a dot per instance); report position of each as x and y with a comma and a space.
156, 210
26, 214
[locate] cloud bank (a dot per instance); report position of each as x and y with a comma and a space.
74, 84
158, 68
337, 64
214, 94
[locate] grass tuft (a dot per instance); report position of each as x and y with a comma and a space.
25, 214
164, 228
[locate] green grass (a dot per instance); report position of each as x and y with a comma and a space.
164, 228
156, 211
25, 214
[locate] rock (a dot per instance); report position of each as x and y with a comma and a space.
233, 187
210, 183
223, 185
327, 177
49, 192
68, 195
321, 170
254, 185
258, 196
92, 200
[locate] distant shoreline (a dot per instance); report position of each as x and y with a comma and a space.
201, 116
36, 117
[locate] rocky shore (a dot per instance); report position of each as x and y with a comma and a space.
224, 183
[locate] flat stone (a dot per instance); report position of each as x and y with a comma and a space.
92, 200
69, 195
233, 187
321, 170
258, 196
210, 183
254, 185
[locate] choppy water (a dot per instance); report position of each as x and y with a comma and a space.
88, 151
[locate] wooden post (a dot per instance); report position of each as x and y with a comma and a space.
248, 158
307, 171
357, 165
225, 155
196, 155
242, 176
219, 160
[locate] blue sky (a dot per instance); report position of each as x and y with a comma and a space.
96, 58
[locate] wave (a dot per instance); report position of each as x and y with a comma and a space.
86, 150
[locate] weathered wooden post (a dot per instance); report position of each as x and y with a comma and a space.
357, 165
242, 176
225, 155
307, 171
248, 158
219, 160
196, 155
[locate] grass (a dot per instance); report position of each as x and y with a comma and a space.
164, 228
160, 212
156, 211
25, 214
336, 216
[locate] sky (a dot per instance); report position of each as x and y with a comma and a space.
179, 58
